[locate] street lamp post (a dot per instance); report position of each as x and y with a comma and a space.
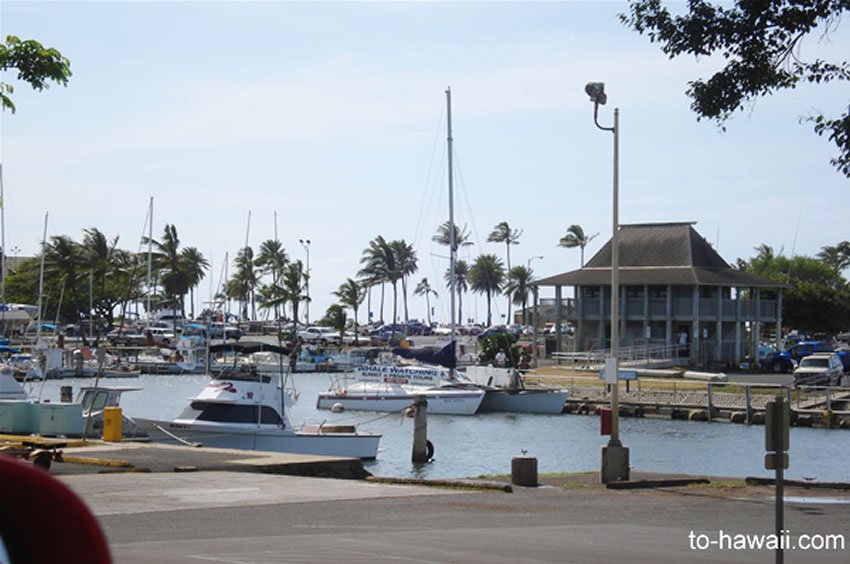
306, 244
615, 457
528, 264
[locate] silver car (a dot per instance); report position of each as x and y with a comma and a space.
819, 369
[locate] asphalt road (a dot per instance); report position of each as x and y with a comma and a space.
247, 518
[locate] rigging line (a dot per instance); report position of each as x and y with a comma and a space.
419, 222
465, 193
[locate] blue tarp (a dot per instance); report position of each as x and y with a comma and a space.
444, 357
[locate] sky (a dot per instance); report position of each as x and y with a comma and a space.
326, 121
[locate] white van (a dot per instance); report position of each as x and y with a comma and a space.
170, 316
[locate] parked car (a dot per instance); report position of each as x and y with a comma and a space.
218, 330
84, 329
788, 360
350, 338
158, 336
127, 336
551, 328
320, 336
819, 369
498, 330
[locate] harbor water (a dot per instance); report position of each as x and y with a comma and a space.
484, 444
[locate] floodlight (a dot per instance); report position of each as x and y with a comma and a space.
596, 91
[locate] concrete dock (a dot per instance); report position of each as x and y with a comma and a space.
179, 504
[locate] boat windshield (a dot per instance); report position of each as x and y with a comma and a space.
231, 413
244, 374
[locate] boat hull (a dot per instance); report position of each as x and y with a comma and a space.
348, 445
525, 401
440, 402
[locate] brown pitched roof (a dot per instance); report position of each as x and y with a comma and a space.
660, 254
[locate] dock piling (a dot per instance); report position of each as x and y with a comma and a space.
420, 430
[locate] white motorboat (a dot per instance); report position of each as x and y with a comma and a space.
506, 392
95, 399
393, 387
10, 388
248, 411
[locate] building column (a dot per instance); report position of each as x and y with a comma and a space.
668, 324
695, 336
738, 322
535, 323
757, 328
600, 331
579, 296
718, 328
558, 315
645, 311
621, 315
778, 316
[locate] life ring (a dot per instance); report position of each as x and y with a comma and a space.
429, 450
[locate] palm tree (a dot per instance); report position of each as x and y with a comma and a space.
63, 261
576, 237
99, 254
166, 260
406, 265
293, 288
519, 278
461, 285
195, 265
838, 257
486, 276
380, 267
503, 233
424, 289
351, 294
443, 236
245, 279
270, 260
461, 239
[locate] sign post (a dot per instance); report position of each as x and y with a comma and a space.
777, 438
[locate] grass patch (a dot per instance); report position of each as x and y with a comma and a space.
724, 484
575, 486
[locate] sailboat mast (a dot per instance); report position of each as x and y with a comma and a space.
3, 243
452, 236
41, 277
150, 254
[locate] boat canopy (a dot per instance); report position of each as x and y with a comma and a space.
249, 347
444, 357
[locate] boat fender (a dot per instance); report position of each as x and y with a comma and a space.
429, 450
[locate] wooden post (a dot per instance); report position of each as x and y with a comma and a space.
420, 430
710, 402
749, 406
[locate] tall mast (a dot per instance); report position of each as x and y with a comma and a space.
150, 254
3, 242
248, 228
452, 238
41, 278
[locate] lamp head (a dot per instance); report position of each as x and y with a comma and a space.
596, 91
